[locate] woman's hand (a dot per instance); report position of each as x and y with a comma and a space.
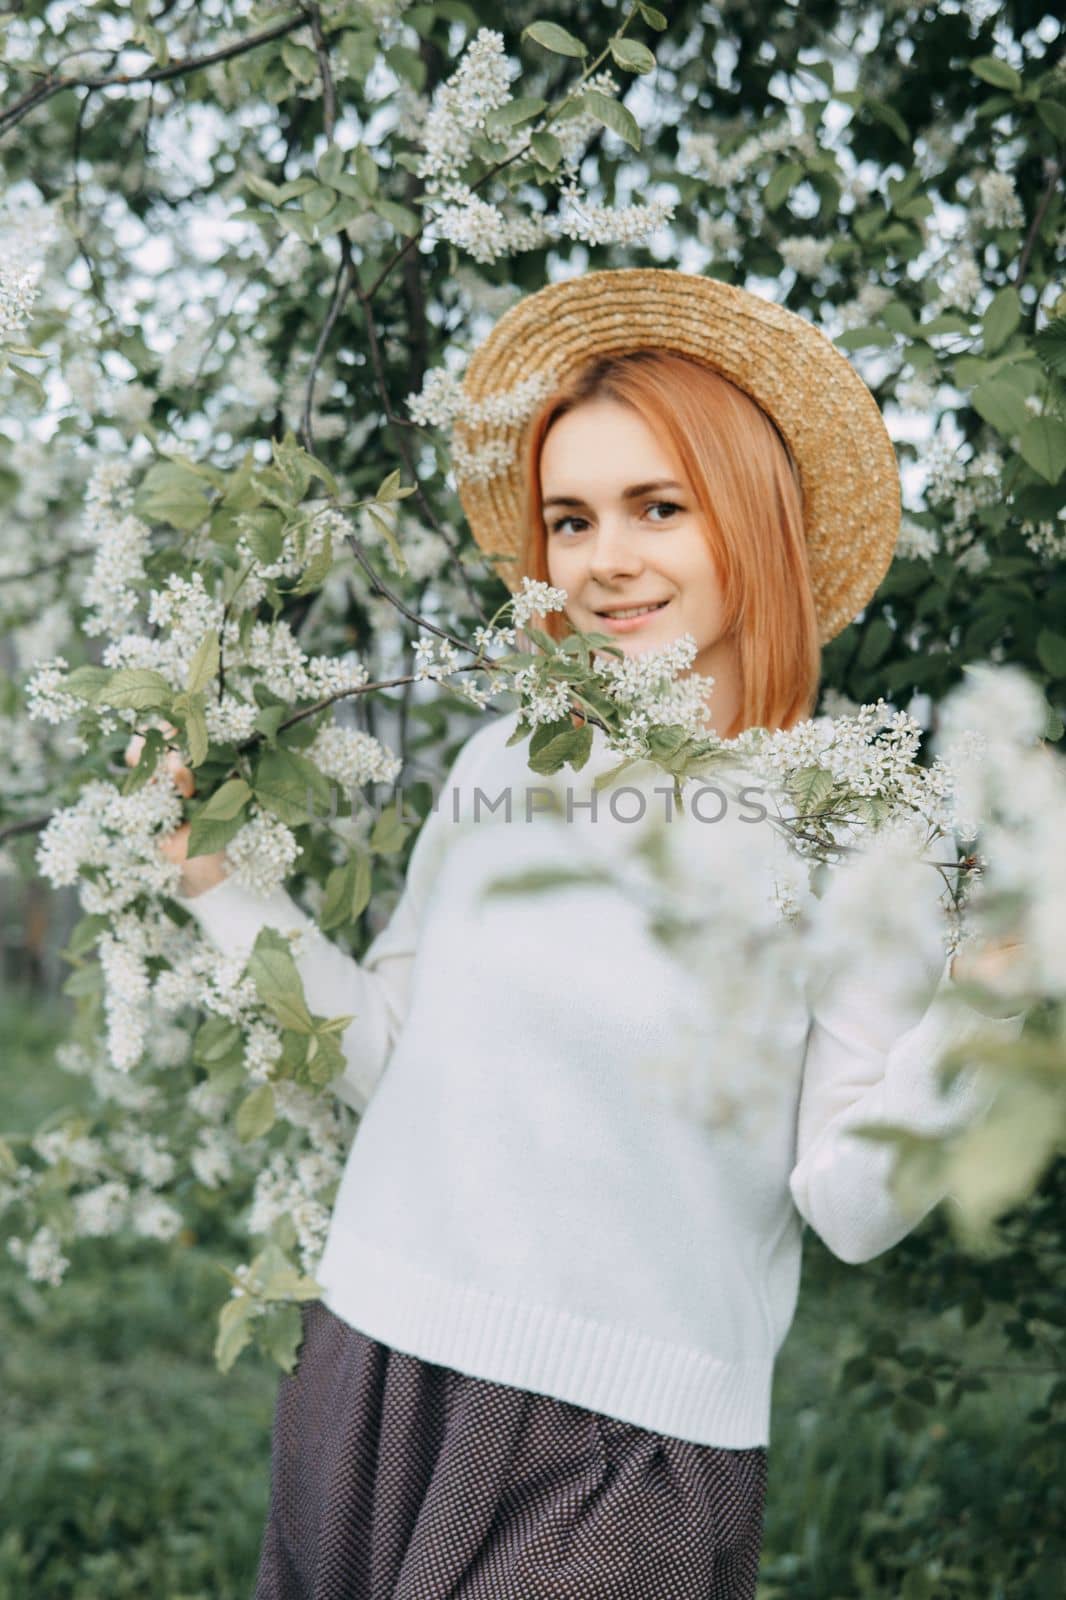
987, 964
202, 872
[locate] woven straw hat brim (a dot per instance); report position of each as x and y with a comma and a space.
823, 408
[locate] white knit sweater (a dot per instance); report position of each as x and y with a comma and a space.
516, 1204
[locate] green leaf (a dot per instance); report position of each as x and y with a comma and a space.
173, 492
1053, 116
1050, 346
270, 719
858, 338
319, 202
402, 218
1001, 405
278, 1333
946, 322
196, 733
289, 785
136, 689
547, 150
301, 62
514, 113
882, 112
347, 892
280, 1279
651, 16
1043, 446
274, 972
234, 1330
214, 1040
877, 640
85, 933
551, 37
1051, 651
228, 801
262, 188
781, 184
87, 683
810, 787
632, 56
389, 832
900, 318
204, 664
385, 528
1001, 318
613, 115
207, 835
1000, 74
255, 1114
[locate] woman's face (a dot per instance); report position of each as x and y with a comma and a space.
623, 529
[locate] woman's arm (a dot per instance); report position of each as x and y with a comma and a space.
374, 991
854, 1074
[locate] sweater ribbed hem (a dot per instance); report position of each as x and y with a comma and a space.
668, 1388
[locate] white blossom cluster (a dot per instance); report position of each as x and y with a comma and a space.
18, 292
261, 855
965, 487
484, 230
998, 205
805, 255
442, 400
702, 153
864, 308
437, 659
1014, 787
962, 281
211, 1157
719, 234
591, 223
115, 836
263, 1047
870, 754
534, 598
915, 542
41, 1256
353, 757
121, 543
916, 394
648, 685
287, 1188
301, 544
1044, 538
480, 83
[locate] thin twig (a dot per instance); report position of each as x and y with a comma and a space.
50, 85
1054, 172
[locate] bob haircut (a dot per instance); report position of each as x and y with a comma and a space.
746, 485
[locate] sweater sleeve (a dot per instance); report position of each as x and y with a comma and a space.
853, 1077
374, 991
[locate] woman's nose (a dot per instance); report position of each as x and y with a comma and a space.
612, 552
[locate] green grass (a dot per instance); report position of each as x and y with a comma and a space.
129, 1467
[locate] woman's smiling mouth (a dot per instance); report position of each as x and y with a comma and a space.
625, 618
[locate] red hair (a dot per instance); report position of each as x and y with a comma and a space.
746, 485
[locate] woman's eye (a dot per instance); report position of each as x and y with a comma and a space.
668, 506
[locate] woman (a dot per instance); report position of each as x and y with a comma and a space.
542, 1361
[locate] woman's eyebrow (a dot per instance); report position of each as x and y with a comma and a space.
631, 493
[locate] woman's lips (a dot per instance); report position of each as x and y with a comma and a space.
627, 624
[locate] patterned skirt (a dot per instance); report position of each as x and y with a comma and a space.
396, 1479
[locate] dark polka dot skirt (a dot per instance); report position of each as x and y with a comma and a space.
396, 1479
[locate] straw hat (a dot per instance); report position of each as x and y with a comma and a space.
824, 410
